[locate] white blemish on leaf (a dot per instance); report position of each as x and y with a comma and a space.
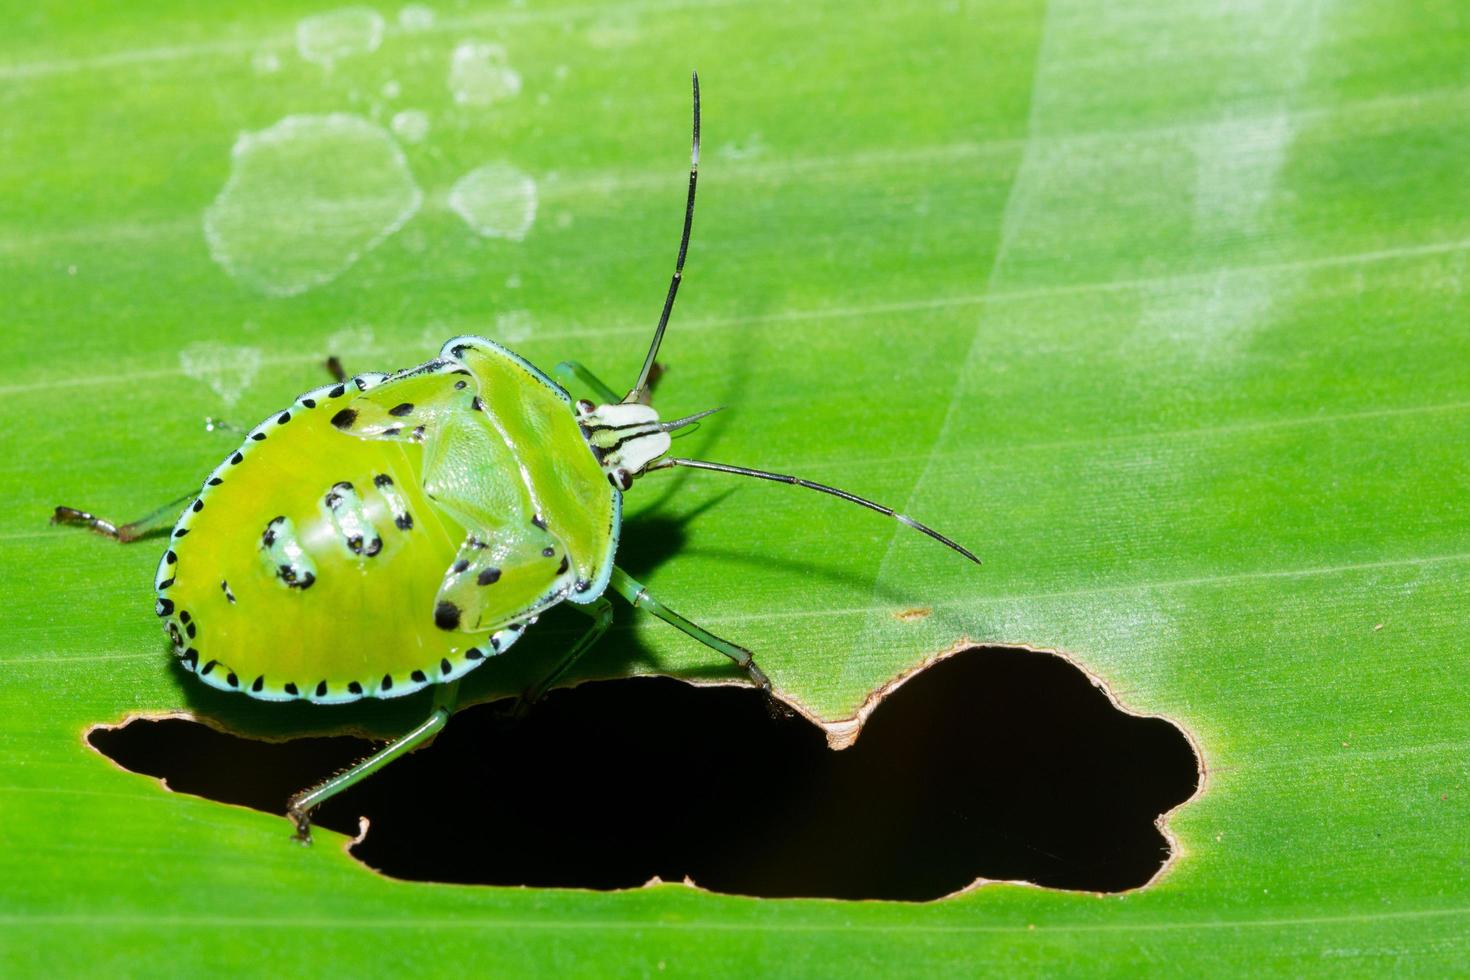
228, 369
266, 62
514, 326
1103, 627
752, 147
416, 17
496, 200
1202, 321
479, 74
433, 336
1237, 164
349, 342
305, 199
616, 31
327, 38
411, 125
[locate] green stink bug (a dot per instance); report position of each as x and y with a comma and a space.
389, 532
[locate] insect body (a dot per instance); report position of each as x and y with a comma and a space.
387, 533
390, 532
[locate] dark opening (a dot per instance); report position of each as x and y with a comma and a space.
995, 763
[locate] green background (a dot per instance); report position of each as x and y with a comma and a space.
1159, 307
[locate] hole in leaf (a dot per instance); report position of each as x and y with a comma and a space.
994, 763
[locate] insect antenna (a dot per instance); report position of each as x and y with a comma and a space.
689, 419
699, 464
640, 389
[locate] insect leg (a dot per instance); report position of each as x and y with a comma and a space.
601, 613
160, 519
300, 806
578, 370
638, 596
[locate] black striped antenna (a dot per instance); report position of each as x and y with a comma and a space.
638, 390
699, 464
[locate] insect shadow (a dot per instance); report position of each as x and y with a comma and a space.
995, 763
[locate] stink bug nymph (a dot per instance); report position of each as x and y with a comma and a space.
388, 532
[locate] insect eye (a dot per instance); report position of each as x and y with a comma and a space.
621, 479
584, 407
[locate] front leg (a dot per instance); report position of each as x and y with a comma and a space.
625, 585
577, 371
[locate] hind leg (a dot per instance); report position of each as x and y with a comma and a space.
159, 520
300, 806
165, 516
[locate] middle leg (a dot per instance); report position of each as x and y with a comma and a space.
602, 614
638, 596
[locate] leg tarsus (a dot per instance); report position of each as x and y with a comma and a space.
301, 820
637, 595
776, 709
300, 806
73, 517
335, 369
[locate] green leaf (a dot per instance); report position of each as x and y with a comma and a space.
1159, 308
